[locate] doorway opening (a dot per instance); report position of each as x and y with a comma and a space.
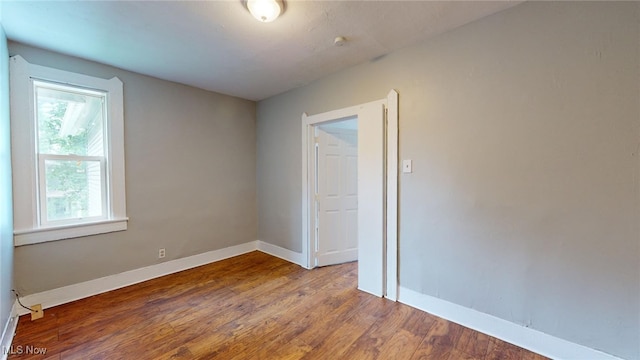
350, 191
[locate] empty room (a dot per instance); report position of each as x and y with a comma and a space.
284, 179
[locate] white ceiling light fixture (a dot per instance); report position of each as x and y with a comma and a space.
265, 10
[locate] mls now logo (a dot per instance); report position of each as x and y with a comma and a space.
23, 350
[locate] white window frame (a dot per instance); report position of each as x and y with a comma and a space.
28, 227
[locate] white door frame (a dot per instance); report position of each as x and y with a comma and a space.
391, 203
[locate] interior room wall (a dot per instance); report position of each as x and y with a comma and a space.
524, 201
190, 160
6, 213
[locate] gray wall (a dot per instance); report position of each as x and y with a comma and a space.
524, 131
6, 210
190, 161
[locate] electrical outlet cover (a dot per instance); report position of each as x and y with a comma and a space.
407, 166
37, 312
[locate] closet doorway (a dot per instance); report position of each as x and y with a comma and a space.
350, 212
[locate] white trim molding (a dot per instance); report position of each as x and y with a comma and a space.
28, 223
34, 236
389, 255
282, 253
530, 339
8, 331
65, 294
392, 280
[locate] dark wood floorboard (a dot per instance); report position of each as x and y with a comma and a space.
252, 306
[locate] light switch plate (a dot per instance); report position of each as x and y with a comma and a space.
407, 166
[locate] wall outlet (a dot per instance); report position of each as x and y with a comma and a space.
161, 253
36, 312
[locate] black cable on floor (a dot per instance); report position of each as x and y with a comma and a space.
18, 298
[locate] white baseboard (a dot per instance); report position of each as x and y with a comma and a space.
85, 289
282, 253
524, 337
8, 331
533, 340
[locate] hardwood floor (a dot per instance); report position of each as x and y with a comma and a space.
253, 306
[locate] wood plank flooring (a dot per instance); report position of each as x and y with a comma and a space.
252, 306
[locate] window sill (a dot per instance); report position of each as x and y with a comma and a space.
36, 236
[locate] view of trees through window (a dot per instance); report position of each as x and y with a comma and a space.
71, 153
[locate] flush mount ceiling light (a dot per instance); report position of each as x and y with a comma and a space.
265, 10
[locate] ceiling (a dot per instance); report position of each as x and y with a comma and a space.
219, 46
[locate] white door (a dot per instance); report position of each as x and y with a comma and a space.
337, 195
371, 198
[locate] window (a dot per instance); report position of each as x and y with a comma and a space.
67, 154
71, 153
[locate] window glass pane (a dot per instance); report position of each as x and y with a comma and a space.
70, 120
73, 189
